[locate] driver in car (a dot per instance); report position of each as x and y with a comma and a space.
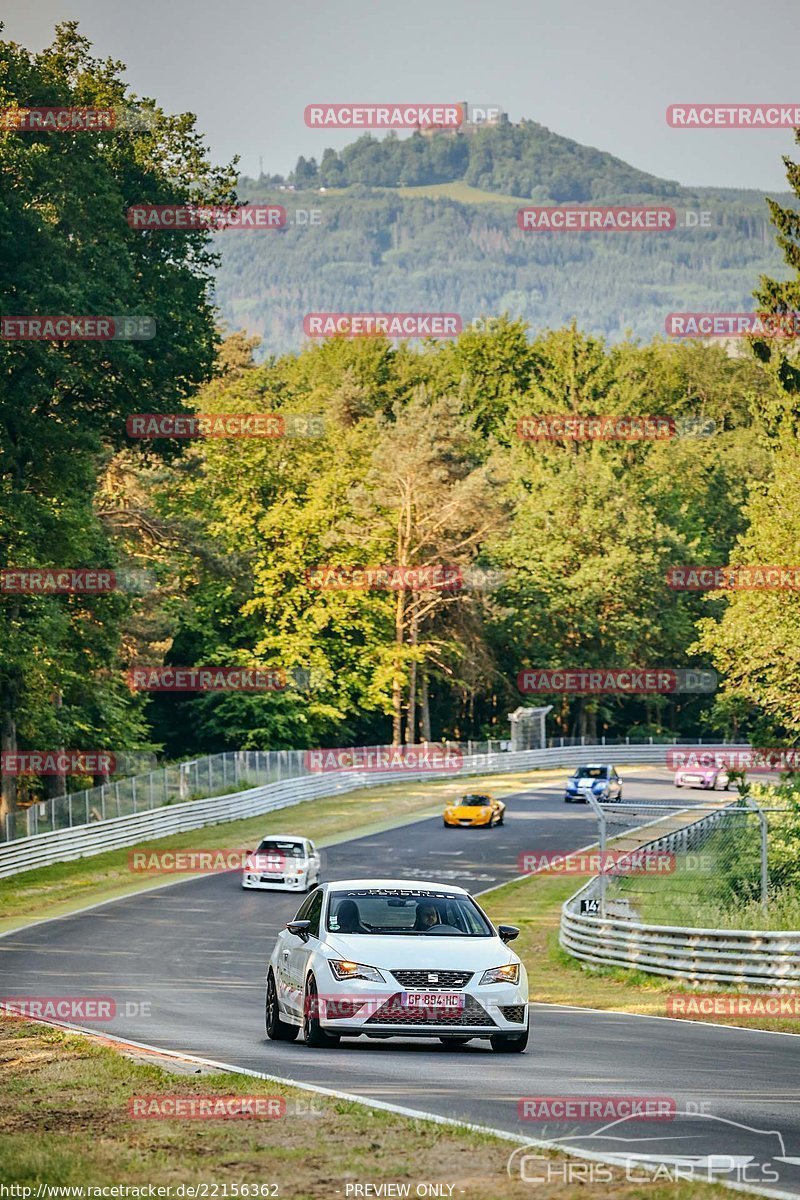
427, 916
348, 918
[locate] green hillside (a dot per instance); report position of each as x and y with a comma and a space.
392, 239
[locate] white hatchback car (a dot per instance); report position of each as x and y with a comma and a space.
283, 862
396, 958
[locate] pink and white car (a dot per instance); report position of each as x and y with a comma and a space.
712, 778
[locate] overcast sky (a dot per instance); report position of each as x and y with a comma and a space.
599, 71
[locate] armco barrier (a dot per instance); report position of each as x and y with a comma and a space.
748, 958
82, 841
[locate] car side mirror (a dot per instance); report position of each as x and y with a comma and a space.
299, 929
507, 933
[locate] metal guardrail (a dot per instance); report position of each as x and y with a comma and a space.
95, 837
746, 958
199, 778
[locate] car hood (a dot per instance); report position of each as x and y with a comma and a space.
421, 953
466, 810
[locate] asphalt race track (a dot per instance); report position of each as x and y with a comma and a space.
197, 951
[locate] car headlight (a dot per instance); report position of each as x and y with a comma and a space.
342, 969
507, 974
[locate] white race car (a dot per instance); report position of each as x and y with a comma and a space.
396, 958
283, 862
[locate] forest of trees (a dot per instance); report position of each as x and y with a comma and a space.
525, 160
416, 461
383, 251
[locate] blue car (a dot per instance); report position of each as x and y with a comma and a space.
600, 779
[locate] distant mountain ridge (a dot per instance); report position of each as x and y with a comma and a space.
428, 223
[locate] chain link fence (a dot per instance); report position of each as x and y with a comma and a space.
708, 863
232, 771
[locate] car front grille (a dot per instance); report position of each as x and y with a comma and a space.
445, 980
394, 1013
513, 1012
272, 879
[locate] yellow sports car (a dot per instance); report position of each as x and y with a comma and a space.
477, 808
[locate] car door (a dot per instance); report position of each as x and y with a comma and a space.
297, 952
314, 862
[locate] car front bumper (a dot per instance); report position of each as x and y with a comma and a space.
377, 1011
298, 883
463, 823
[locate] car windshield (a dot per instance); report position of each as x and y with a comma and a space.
475, 801
406, 911
590, 773
285, 849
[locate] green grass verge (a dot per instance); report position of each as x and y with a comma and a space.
534, 904
65, 1120
53, 891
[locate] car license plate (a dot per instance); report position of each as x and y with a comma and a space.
432, 999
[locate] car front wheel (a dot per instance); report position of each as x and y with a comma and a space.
277, 1030
313, 1033
509, 1043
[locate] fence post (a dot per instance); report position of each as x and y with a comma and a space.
133, 791
601, 841
762, 820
